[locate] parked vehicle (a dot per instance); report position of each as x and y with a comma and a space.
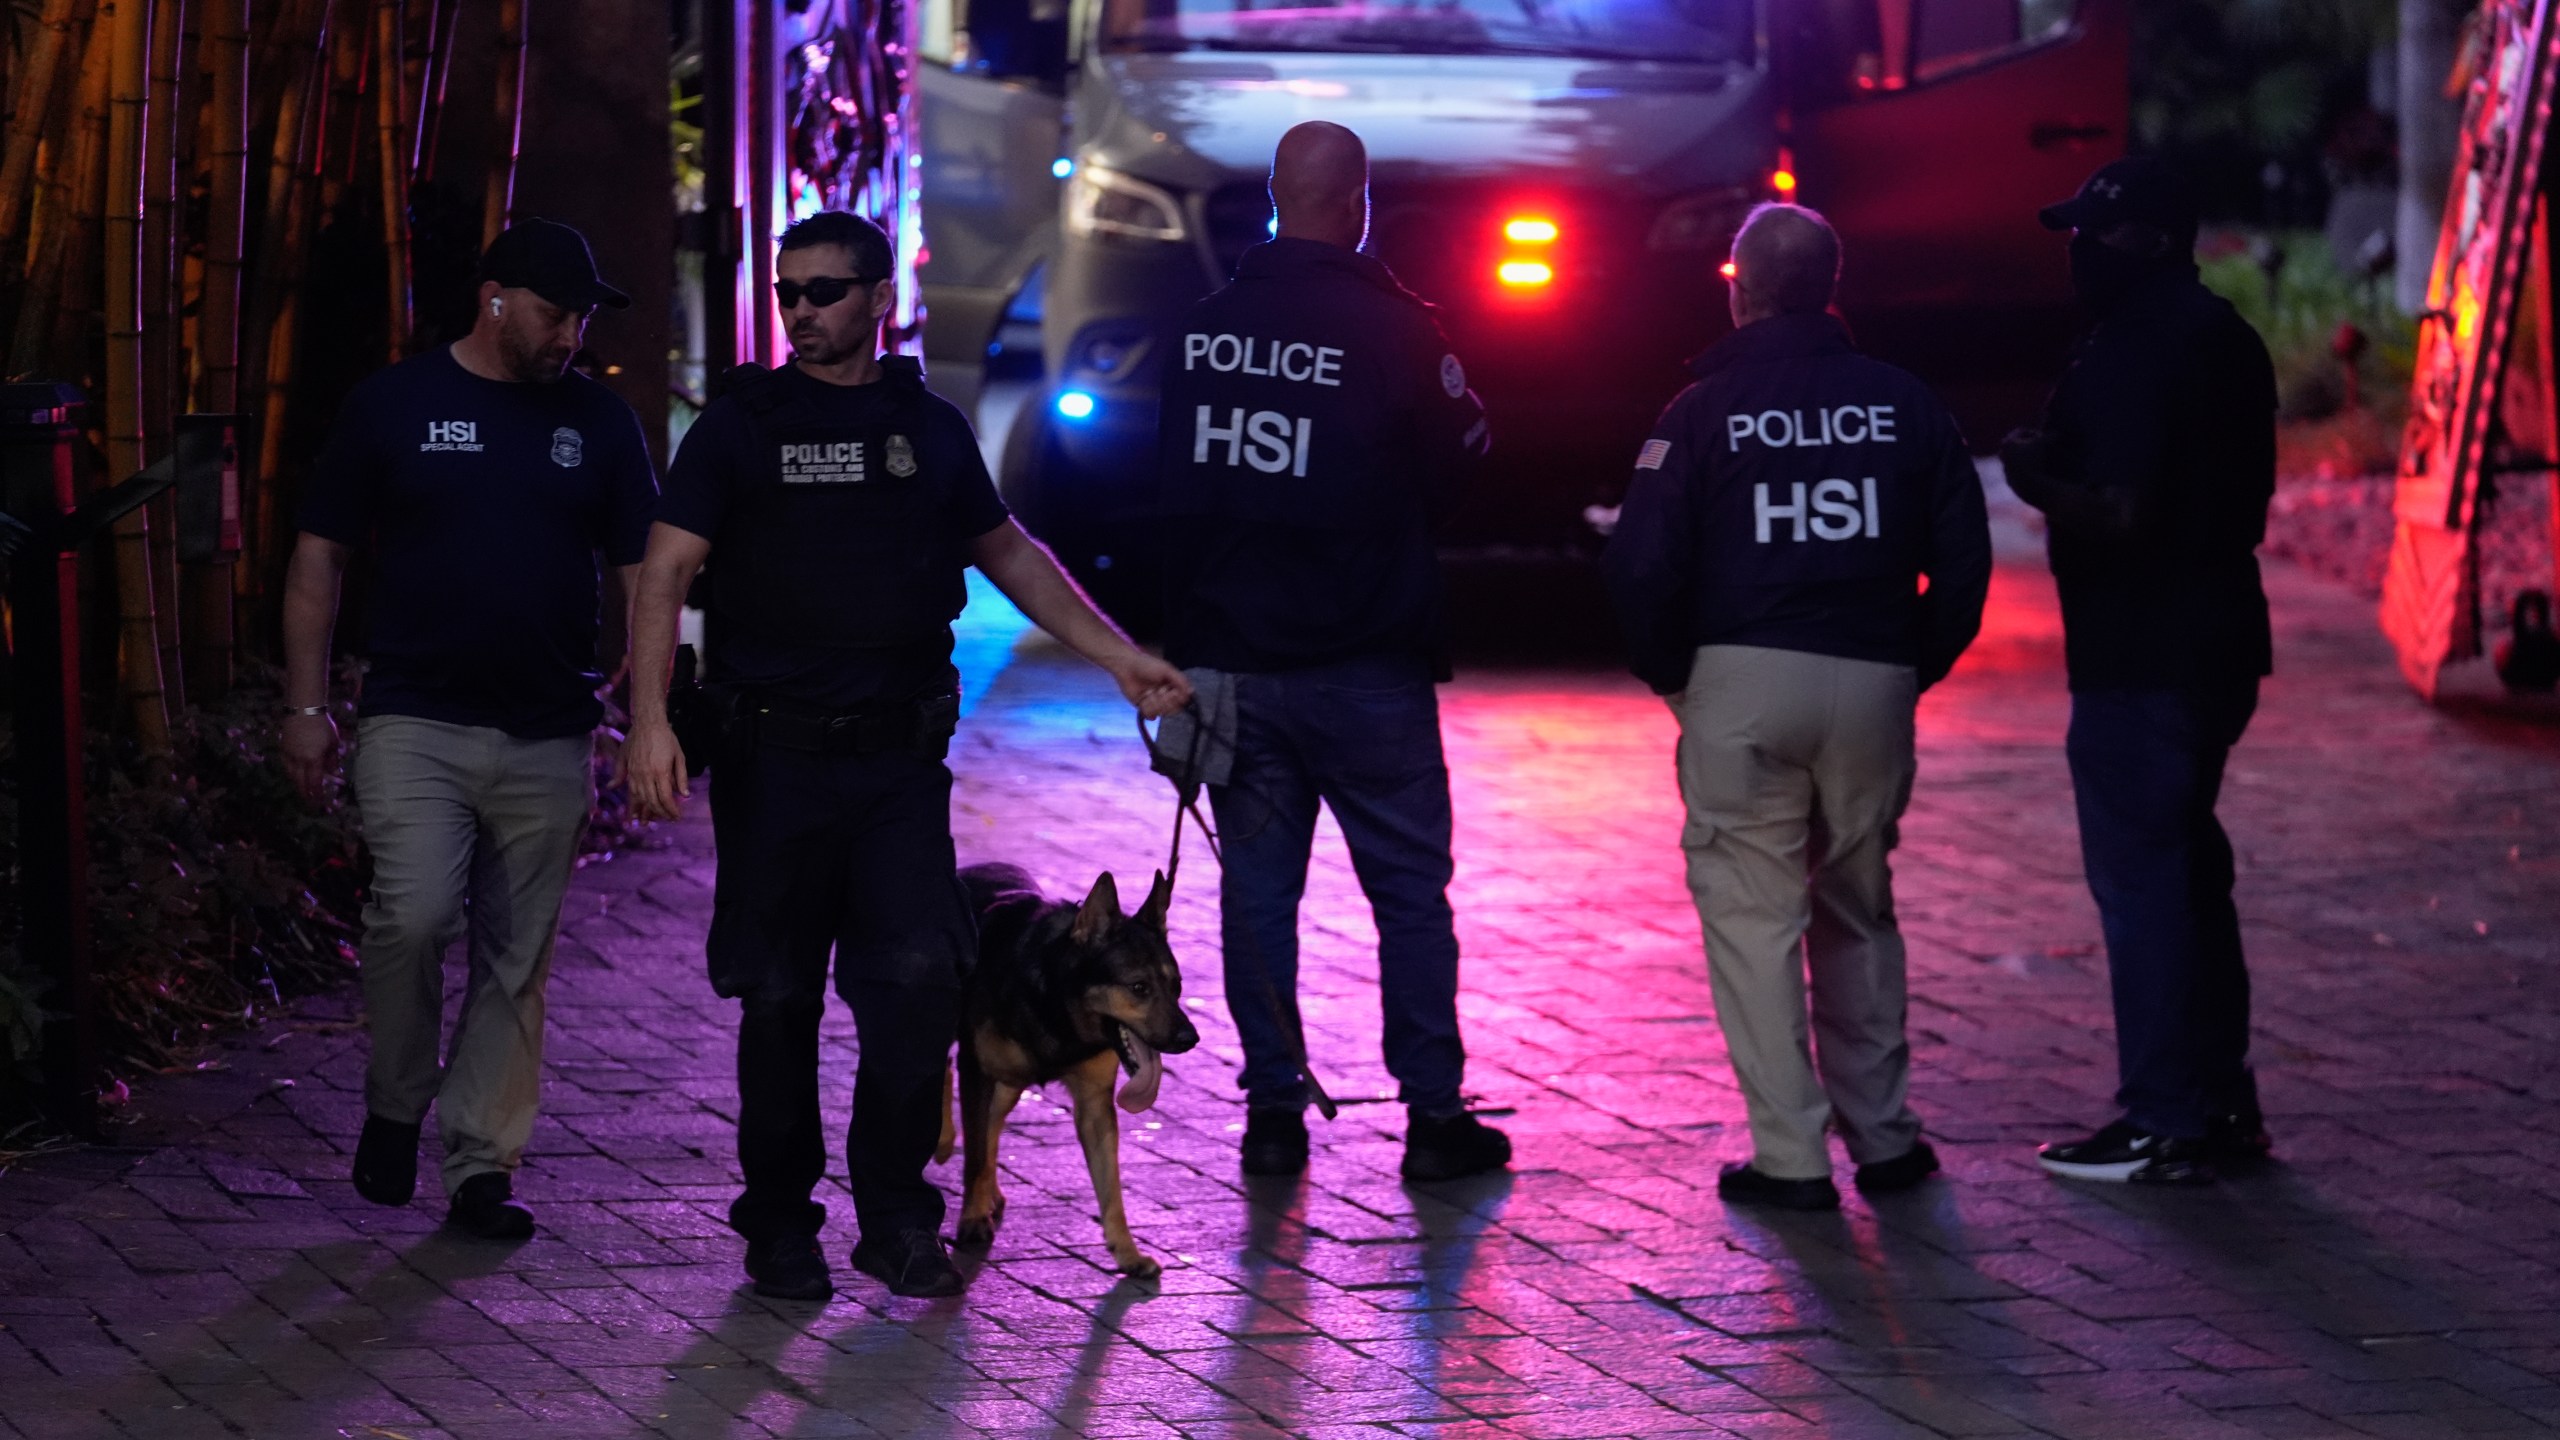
1562, 179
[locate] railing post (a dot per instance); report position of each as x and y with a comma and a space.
40, 443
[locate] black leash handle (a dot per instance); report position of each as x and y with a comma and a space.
1186, 801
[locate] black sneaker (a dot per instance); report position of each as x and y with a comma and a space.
1903, 1172
1739, 1184
1450, 1146
2238, 1139
789, 1267
910, 1262
386, 1170
2125, 1153
1275, 1141
484, 1208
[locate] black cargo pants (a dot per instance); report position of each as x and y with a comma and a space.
848, 855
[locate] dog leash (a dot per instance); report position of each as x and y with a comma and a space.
1186, 802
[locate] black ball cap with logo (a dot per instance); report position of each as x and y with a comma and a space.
551, 260
2137, 188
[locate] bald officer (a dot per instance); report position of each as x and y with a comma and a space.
1768, 573
1313, 419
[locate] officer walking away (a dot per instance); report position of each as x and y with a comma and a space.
485, 480
1313, 419
844, 502
1767, 571
2153, 470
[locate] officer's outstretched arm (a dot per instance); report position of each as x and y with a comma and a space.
652, 763
1029, 576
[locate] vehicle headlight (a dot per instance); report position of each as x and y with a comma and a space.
1106, 202
1700, 224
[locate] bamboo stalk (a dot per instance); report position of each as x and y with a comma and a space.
208, 587
162, 376
71, 221
443, 16
138, 659
227, 148
497, 208
48, 53
283, 239
393, 158
341, 136
48, 198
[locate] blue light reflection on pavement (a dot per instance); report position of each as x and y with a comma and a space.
984, 638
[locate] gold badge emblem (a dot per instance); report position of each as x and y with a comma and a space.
901, 457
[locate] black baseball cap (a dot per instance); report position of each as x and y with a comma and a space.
551, 260
2136, 188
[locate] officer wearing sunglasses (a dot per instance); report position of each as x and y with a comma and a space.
844, 501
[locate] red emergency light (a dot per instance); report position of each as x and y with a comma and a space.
1525, 274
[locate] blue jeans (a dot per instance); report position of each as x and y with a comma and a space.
2146, 769
1363, 737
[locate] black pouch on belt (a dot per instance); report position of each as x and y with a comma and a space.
937, 720
698, 718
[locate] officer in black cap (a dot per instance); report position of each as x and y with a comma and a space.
1768, 571
481, 480
1314, 419
844, 501
2153, 470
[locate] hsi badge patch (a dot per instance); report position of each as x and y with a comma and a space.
1653, 454
1453, 376
568, 447
899, 456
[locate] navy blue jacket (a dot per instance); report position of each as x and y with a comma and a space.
1795, 498
2160, 453
1314, 420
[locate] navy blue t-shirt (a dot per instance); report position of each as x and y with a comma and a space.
486, 504
799, 546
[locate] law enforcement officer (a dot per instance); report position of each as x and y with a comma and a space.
839, 503
2154, 469
483, 481
1313, 418
1767, 572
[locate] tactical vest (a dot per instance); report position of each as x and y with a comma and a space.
842, 538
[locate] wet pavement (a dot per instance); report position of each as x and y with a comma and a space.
2392, 1274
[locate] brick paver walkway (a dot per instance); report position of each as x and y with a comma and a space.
2393, 1275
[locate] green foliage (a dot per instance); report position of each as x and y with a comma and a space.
2222, 87
213, 890
2300, 321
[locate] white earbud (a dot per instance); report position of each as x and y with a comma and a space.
497, 307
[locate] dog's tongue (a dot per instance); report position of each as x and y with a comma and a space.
1146, 1072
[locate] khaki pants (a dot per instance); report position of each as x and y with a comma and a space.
466, 824
1795, 769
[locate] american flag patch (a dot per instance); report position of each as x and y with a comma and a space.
1653, 454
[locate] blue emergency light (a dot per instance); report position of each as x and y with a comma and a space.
1075, 404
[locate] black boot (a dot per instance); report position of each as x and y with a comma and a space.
484, 1208
1744, 1185
789, 1267
1447, 1147
1275, 1141
1904, 1171
386, 1170
910, 1262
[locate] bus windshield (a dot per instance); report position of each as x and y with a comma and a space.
1711, 32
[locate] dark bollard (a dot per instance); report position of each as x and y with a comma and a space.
40, 445
46, 523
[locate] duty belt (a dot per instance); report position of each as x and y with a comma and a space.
923, 725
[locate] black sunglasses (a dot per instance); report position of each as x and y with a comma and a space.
824, 291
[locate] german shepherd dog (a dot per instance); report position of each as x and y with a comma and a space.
1066, 992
